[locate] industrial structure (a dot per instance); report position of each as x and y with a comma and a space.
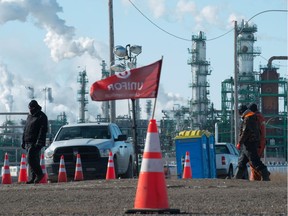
105, 104
264, 87
199, 85
82, 98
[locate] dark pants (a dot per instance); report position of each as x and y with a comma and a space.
33, 159
248, 153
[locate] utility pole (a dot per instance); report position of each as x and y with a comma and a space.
112, 59
236, 119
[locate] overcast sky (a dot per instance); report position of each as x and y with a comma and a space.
46, 43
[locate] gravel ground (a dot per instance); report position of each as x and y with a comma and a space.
115, 197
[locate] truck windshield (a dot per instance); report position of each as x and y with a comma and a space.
86, 132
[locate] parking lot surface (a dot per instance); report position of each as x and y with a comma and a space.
115, 197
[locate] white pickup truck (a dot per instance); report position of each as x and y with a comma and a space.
226, 159
92, 141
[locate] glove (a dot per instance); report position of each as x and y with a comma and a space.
23, 146
238, 146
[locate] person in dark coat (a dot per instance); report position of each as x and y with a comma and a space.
34, 139
249, 139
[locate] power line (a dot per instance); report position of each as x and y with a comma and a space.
266, 11
156, 24
181, 38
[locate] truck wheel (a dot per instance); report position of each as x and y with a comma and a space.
129, 173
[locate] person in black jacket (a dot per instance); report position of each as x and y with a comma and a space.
34, 139
249, 139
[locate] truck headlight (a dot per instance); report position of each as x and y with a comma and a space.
48, 153
104, 152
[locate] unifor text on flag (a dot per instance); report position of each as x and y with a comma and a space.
136, 83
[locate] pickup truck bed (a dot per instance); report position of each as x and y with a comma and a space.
226, 160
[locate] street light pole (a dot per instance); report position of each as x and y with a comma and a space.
125, 53
111, 36
236, 118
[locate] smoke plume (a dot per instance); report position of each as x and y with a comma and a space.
6, 85
59, 37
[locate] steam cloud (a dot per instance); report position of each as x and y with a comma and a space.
6, 85
59, 37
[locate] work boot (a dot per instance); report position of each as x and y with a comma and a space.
265, 174
30, 181
239, 173
39, 178
33, 177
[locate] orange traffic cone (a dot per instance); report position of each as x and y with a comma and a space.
44, 180
6, 176
151, 193
23, 177
110, 174
78, 170
187, 172
254, 175
62, 176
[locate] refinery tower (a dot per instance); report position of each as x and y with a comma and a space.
199, 85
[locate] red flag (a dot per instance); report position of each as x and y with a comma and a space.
136, 83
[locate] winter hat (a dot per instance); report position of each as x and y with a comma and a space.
242, 109
34, 104
253, 107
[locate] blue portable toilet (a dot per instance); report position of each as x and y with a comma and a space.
194, 141
212, 156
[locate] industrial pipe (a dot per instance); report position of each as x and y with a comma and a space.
274, 58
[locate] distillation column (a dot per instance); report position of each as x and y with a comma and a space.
199, 85
247, 90
105, 104
82, 79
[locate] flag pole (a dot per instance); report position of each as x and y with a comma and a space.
154, 108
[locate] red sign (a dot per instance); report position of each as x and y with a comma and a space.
140, 82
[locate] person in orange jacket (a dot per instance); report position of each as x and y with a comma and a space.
262, 128
254, 176
249, 139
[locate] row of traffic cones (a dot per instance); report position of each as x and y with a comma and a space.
23, 173
62, 176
